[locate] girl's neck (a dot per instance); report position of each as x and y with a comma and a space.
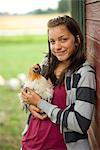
60, 68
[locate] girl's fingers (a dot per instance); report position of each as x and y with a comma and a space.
32, 107
30, 96
28, 90
37, 115
26, 94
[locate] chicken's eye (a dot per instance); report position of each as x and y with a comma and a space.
36, 68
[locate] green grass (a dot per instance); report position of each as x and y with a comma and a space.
23, 39
12, 120
16, 56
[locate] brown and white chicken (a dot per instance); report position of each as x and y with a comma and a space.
36, 82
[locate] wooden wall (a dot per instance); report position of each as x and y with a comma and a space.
93, 51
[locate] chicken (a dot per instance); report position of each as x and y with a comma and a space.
36, 82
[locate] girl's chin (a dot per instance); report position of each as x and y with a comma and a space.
62, 58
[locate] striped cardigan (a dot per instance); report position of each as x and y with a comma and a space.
75, 120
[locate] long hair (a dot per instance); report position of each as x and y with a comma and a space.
77, 57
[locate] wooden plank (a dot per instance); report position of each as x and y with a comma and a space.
90, 1
93, 29
98, 117
97, 52
92, 139
97, 64
92, 135
93, 50
93, 11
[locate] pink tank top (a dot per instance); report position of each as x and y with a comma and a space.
44, 134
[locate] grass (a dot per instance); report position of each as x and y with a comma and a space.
17, 54
12, 120
23, 39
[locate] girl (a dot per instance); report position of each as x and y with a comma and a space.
74, 85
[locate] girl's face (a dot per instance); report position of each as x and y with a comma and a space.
62, 42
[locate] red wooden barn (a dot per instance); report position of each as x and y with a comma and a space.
87, 13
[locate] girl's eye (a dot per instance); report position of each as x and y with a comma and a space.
52, 42
63, 40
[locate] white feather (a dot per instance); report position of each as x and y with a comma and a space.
41, 86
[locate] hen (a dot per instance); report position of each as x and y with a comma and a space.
36, 82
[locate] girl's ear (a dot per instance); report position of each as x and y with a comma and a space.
78, 39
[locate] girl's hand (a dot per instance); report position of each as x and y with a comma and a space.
30, 97
36, 112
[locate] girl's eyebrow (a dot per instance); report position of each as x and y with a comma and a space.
58, 37
51, 39
61, 36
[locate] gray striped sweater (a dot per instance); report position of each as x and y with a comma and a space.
75, 120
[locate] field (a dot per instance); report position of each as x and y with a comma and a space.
32, 24
17, 54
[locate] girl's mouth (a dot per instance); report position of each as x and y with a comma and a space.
61, 53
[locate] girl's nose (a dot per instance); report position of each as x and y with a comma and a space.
57, 45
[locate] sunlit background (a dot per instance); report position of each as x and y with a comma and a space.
23, 43
26, 22
26, 6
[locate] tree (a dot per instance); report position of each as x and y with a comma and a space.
64, 6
